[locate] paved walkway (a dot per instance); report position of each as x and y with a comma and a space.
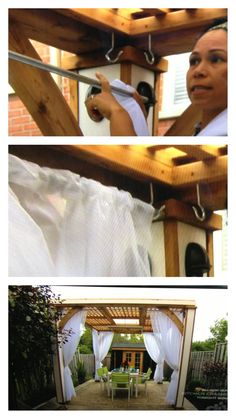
90, 396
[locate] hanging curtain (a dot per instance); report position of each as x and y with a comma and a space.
152, 343
171, 342
101, 345
61, 224
76, 324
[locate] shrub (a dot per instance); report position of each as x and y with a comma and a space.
215, 374
81, 371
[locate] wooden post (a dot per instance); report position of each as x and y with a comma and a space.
171, 247
210, 251
185, 356
38, 91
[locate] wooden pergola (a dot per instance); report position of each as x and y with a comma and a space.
102, 315
85, 34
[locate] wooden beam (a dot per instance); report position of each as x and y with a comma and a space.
104, 19
123, 159
200, 152
211, 170
156, 12
185, 123
39, 92
180, 211
125, 302
107, 315
74, 97
97, 58
141, 13
172, 316
84, 30
143, 315
51, 27
179, 20
67, 317
213, 195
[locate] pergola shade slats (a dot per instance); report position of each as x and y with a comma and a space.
101, 315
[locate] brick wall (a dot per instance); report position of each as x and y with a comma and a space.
20, 122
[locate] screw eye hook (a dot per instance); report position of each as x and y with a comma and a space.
202, 215
108, 54
158, 212
149, 55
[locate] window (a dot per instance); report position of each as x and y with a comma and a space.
128, 357
175, 98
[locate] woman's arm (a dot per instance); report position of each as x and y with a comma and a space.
106, 105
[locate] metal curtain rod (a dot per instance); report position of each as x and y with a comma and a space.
65, 73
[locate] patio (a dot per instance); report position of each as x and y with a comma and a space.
89, 396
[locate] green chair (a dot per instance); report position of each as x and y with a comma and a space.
105, 370
144, 378
121, 381
102, 377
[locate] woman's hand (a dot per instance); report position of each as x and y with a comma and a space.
103, 104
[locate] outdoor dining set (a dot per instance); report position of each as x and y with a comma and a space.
121, 379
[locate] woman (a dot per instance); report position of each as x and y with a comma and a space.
206, 86
207, 81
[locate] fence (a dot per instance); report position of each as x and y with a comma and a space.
200, 359
89, 363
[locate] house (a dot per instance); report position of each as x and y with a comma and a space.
134, 353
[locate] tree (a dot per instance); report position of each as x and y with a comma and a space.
127, 338
86, 342
203, 346
219, 330
32, 330
219, 333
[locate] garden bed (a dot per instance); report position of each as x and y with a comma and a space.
206, 399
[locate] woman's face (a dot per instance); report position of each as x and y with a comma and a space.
207, 74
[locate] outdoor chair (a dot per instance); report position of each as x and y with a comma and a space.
103, 378
144, 378
121, 381
107, 379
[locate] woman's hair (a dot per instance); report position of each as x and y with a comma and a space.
219, 24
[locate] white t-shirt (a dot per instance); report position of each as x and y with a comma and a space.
218, 126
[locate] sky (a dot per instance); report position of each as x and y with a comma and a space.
211, 304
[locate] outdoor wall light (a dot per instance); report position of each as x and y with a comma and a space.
196, 260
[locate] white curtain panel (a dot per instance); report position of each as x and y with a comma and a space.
76, 324
153, 345
61, 224
101, 345
171, 339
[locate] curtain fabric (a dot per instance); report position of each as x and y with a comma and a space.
101, 345
76, 325
171, 339
61, 224
152, 343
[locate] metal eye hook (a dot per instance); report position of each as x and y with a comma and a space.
152, 59
202, 216
158, 212
107, 55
